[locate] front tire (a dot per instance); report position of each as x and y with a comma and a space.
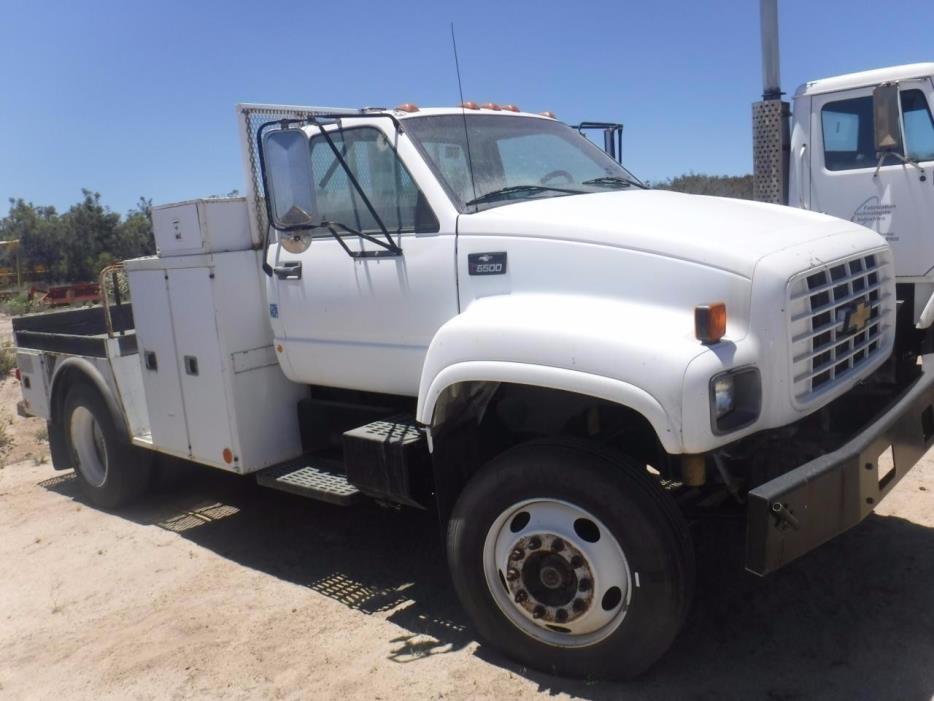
110, 470
571, 560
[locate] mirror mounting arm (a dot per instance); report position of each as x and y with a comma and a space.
904, 159
388, 250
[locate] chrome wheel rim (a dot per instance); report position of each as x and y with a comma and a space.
89, 449
557, 572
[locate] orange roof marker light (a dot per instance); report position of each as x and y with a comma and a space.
550, 115
491, 106
407, 107
470, 105
511, 108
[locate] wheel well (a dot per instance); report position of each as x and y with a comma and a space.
73, 371
475, 421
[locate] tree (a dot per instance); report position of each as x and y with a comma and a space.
739, 186
40, 236
74, 246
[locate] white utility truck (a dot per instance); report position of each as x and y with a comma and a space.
476, 310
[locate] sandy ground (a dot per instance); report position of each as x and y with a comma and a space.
215, 588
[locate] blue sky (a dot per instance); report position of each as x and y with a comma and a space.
137, 98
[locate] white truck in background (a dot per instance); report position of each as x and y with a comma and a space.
860, 147
477, 311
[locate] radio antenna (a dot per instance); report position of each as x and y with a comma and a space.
460, 89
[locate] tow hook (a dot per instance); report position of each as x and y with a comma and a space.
785, 518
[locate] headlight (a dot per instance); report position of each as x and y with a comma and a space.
723, 403
735, 399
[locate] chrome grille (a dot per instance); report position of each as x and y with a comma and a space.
841, 318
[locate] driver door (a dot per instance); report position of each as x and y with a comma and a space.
366, 322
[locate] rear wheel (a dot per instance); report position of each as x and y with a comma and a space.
571, 560
110, 470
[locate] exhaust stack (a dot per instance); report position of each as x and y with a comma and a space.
770, 129
771, 70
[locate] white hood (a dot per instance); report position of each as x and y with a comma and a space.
724, 233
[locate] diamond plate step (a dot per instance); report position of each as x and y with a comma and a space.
315, 478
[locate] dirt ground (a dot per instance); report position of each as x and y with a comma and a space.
215, 588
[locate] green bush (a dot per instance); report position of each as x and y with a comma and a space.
20, 304
7, 360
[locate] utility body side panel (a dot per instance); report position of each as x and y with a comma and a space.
217, 375
159, 365
191, 296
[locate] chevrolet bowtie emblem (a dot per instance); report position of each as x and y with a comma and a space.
853, 317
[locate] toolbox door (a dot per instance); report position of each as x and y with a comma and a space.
201, 369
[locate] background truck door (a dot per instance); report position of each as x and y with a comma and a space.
897, 203
365, 323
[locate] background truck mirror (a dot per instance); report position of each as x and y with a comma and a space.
886, 119
287, 176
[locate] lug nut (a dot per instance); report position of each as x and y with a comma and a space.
517, 554
561, 615
538, 612
521, 596
577, 561
557, 545
578, 605
512, 574
535, 543
584, 585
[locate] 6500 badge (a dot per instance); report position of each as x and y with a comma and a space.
486, 263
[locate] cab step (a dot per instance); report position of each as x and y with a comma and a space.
388, 459
313, 477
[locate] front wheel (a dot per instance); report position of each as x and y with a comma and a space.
571, 560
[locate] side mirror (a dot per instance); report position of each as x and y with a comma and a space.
886, 119
290, 191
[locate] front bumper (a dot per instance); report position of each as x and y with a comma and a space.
804, 508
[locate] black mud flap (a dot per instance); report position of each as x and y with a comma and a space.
793, 514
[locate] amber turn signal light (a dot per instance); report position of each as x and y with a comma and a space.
710, 322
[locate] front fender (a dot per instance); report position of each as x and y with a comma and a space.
553, 378
628, 353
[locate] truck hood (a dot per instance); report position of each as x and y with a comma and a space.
724, 233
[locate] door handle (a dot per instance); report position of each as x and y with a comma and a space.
290, 270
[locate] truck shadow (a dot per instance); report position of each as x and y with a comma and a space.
853, 620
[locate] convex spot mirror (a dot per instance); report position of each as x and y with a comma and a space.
290, 188
886, 119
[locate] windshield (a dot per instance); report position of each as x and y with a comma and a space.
513, 158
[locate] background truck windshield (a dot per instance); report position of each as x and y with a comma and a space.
530, 156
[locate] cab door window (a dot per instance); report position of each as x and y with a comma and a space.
382, 176
918, 125
849, 139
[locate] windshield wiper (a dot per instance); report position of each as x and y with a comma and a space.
613, 181
505, 192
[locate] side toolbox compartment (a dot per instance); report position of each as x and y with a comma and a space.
215, 378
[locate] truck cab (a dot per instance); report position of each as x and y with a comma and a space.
836, 165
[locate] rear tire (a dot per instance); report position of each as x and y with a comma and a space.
111, 471
572, 560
